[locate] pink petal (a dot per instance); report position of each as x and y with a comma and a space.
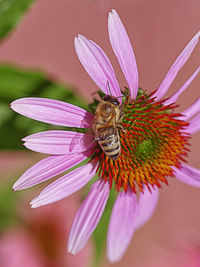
188, 175
121, 226
58, 142
176, 67
97, 65
88, 216
191, 110
146, 206
175, 96
46, 169
194, 125
52, 111
65, 185
123, 50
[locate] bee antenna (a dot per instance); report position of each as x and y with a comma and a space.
108, 87
109, 91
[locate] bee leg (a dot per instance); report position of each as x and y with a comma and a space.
121, 117
121, 128
119, 121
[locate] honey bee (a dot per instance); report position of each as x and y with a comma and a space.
106, 126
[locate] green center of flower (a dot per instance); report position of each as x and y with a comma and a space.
152, 141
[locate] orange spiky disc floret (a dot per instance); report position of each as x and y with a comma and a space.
152, 141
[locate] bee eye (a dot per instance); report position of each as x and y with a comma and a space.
111, 99
115, 102
106, 98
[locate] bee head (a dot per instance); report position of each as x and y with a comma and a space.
111, 99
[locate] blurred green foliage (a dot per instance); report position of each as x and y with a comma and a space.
15, 83
8, 213
10, 13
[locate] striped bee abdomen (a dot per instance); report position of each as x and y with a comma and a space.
110, 143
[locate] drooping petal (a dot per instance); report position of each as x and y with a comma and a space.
191, 110
146, 206
175, 96
97, 65
46, 169
194, 125
58, 142
52, 111
188, 175
65, 185
88, 216
121, 226
123, 50
178, 64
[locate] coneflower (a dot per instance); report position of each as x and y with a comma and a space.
154, 145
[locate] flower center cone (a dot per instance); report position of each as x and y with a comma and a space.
152, 141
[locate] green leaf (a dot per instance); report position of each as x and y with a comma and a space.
11, 12
15, 83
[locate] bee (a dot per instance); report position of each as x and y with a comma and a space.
106, 126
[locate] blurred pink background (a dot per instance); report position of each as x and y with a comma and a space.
159, 30
39, 237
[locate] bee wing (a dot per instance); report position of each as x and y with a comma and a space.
84, 142
106, 132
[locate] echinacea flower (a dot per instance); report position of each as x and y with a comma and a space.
154, 145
